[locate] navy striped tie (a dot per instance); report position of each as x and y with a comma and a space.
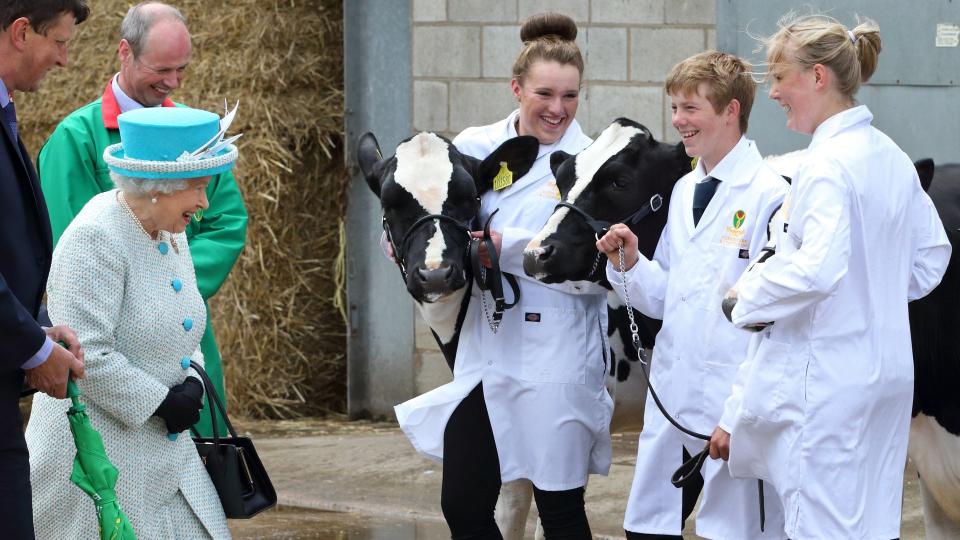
10, 116
702, 193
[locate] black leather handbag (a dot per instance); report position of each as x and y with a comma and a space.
232, 463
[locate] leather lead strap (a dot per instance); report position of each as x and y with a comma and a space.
489, 279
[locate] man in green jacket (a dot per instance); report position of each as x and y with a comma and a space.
154, 52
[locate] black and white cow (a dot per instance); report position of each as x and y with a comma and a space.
935, 332
428, 176
609, 180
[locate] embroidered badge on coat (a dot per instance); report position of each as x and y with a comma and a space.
738, 218
504, 178
735, 236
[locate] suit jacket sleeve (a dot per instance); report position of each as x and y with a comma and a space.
217, 240
23, 337
71, 173
85, 292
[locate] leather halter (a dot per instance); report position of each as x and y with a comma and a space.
601, 227
400, 254
489, 279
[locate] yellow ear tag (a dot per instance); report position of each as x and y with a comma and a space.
504, 178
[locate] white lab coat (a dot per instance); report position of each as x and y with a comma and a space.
822, 407
698, 351
543, 380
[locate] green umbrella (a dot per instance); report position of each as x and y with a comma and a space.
93, 472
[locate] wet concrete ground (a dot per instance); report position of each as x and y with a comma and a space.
300, 524
343, 480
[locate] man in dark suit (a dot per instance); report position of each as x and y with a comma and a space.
33, 40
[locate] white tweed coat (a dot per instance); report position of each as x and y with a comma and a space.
111, 283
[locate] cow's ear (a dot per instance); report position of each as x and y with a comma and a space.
371, 161
519, 153
556, 159
925, 172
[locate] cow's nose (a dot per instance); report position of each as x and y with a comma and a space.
535, 259
545, 252
437, 280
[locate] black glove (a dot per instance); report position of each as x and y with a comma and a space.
181, 408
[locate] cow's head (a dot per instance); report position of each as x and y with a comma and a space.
430, 194
609, 180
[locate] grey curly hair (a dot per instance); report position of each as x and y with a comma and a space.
143, 186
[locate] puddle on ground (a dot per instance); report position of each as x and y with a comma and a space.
297, 524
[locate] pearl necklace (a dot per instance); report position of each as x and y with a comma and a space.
126, 206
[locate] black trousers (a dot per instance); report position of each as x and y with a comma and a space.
471, 482
691, 492
16, 503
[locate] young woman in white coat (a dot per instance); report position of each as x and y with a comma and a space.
527, 401
821, 410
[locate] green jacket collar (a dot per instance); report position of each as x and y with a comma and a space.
110, 109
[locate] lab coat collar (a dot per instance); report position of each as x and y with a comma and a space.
841, 121
732, 168
736, 169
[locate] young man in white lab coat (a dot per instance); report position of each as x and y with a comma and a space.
717, 222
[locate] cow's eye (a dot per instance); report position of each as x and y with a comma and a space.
620, 182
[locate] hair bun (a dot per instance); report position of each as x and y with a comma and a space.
548, 24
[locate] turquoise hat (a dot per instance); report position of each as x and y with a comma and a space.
170, 142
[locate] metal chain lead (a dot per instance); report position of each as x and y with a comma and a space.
493, 323
634, 330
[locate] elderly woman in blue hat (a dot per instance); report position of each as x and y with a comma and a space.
122, 277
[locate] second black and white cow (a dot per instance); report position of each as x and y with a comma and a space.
609, 181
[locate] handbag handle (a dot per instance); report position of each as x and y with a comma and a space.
213, 398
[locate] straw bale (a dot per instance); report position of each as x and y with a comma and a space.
279, 318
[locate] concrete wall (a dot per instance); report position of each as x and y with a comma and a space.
463, 51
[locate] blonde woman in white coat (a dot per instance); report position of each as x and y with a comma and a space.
122, 276
529, 401
822, 408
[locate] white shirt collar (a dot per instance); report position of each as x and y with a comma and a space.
125, 102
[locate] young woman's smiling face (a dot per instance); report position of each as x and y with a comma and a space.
549, 96
792, 87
